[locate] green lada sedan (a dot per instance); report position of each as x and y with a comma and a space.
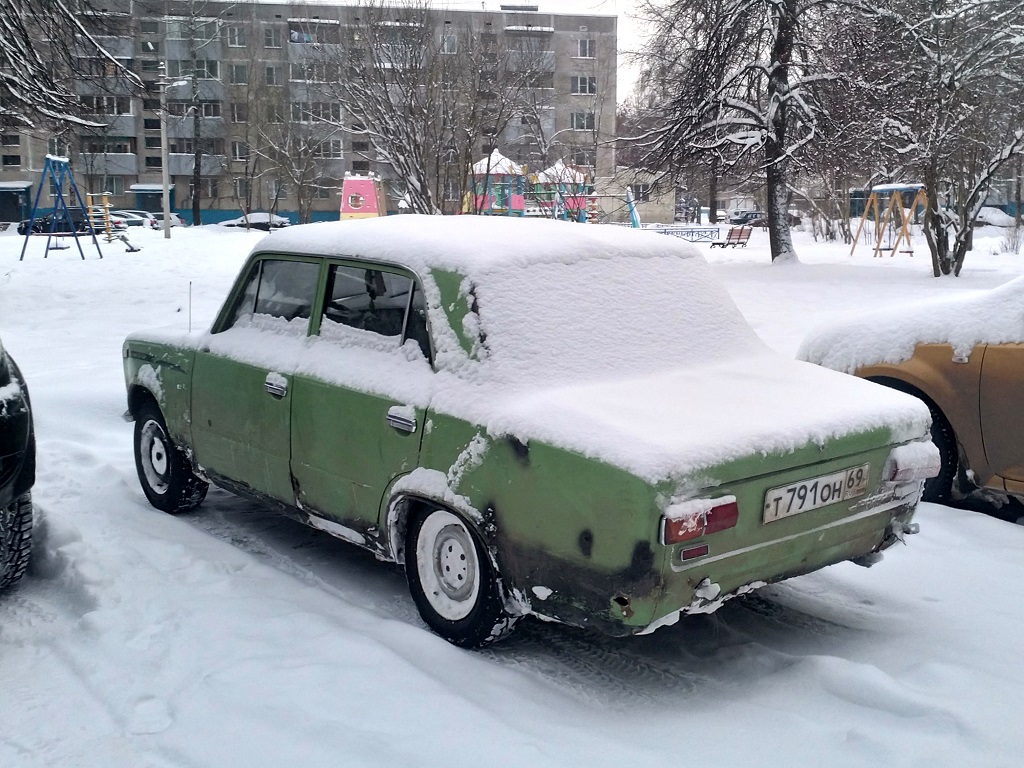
534, 417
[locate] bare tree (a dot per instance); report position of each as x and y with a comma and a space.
41, 42
955, 116
733, 89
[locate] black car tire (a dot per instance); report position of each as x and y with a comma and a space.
453, 582
939, 489
15, 540
165, 473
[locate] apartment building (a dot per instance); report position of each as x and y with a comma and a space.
260, 85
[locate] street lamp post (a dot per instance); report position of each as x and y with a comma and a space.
165, 177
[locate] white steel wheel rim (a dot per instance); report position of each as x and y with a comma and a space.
447, 565
153, 450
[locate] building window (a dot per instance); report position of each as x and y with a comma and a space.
107, 105
274, 76
641, 192
151, 124
149, 46
271, 37
206, 69
275, 114
184, 108
239, 113
583, 86
323, 190
586, 49
277, 190
239, 74
449, 43
10, 140
361, 166
308, 112
207, 188
149, 66
242, 189
451, 190
236, 37
152, 142
328, 150
239, 150
202, 30
96, 145
152, 104
9, 161
584, 156
360, 146
582, 121
149, 27
112, 185
154, 162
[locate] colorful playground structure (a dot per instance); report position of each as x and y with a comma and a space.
362, 197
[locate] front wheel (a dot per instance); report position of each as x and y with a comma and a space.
164, 471
15, 540
452, 581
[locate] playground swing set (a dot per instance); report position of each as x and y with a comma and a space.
95, 218
891, 225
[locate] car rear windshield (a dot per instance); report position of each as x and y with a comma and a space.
607, 317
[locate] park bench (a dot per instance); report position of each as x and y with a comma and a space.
736, 236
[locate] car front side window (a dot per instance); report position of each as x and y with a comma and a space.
383, 303
276, 288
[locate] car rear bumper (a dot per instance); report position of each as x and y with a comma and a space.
702, 585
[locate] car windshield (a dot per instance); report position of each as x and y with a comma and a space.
597, 318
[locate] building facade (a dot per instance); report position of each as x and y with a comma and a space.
260, 88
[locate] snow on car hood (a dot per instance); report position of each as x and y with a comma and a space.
684, 421
890, 336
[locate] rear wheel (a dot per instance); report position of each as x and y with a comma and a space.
164, 471
453, 582
15, 540
939, 489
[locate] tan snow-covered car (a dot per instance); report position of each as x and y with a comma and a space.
964, 357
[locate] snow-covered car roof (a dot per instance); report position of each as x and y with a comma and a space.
470, 245
890, 336
260, 217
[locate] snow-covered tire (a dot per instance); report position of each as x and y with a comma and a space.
15, 540
164, 471
453, 582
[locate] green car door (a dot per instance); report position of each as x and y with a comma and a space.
241, 399
358, 399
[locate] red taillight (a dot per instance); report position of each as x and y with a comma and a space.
696, 517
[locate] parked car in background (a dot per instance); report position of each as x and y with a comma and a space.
136, 218
175, 219
964, 358
762, 220
258, 220
101, 217
17, 472
525, 415
59, 222
745, 217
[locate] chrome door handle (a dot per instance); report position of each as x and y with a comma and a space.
276, 384
398, 417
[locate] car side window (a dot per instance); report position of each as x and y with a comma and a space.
277, 288
383, 303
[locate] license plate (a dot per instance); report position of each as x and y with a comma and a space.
817, 492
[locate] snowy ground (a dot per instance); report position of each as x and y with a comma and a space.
232, 637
